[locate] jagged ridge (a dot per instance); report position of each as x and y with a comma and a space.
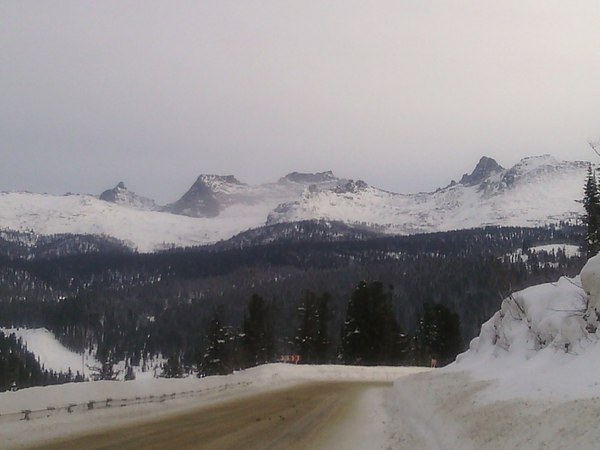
536, 191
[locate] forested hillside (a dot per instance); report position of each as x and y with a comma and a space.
128, 306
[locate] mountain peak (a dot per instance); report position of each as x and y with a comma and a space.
200, 200
309, 178
485, 167
123, 196
114, 195
210, 179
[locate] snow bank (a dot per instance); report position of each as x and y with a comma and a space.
590, 280
530, 380
547, 315
535, 342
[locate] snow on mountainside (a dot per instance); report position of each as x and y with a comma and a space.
144, 230
536, 191
211, 195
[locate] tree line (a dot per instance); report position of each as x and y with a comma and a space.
370, 334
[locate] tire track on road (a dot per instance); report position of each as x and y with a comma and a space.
298, 417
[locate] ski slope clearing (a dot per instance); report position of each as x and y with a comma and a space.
51, 353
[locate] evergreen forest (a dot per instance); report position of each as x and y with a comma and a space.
349, 298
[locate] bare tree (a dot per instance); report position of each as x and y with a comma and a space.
595, 146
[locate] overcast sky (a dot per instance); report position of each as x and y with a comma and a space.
406, 95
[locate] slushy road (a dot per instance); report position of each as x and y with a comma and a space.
299, 417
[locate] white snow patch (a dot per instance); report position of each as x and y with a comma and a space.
51, 353
569, 250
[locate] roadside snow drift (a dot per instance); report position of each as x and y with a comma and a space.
530, 380
543, 342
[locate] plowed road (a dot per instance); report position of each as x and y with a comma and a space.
300, 417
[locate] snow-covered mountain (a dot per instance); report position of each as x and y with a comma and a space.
536, 191
211, 195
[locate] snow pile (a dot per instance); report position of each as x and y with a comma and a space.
543, 316
268, 376
590, 279
543, 343
537, 339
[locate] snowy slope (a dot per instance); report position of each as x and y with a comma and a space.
535, 192
144, 230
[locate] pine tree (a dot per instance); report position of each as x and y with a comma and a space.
371, 334
312, 339
216, 359
438, 335
323, 341
173, 367
591, 204
258, 339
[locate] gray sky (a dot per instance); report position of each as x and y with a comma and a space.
406, 95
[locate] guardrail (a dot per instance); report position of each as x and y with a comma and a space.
89, 405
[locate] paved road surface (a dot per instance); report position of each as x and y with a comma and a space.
300, 417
